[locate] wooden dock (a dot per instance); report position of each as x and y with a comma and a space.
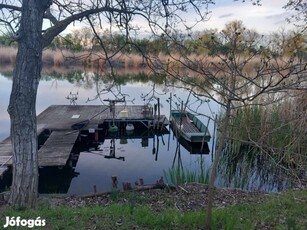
57, 148
61, 120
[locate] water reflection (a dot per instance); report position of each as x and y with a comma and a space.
54, 180
195, 148
250, 169
129, 159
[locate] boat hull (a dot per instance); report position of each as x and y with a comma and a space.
189, 127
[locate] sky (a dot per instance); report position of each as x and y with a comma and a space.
268, 17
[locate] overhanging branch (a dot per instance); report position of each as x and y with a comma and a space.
60, 26
10, 7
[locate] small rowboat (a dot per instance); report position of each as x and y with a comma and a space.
189, 127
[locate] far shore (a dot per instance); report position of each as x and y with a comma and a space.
63, 61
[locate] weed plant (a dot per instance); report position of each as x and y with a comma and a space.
178, 175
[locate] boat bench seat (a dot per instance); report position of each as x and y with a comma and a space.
186, 126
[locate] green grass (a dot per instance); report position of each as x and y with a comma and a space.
287, 211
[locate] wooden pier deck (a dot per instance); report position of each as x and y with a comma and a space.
57, 148
60, 120
54, 152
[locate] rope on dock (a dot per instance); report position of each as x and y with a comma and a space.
81, 124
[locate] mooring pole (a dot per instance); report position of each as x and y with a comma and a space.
114, 182
158, 120
155, 115
170, 111
170, 103
180, 123
186, 103
213, 141
207, 130
156, 158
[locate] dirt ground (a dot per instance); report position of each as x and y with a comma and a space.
187, 197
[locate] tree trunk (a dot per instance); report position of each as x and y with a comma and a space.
22, 106
224, 129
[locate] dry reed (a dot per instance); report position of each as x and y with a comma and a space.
7, 55
175, 64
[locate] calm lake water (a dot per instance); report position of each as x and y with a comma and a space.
149, 161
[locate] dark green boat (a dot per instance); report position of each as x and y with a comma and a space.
189, 127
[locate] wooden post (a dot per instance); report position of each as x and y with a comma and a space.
170, 111
114, 182
170, 105
213, 139
127, 186
96, 136
156, 158
186, 103
95, 189
155, 116
158, 99
207, 131
180, 123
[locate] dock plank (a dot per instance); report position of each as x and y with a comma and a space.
57, 148
62, 117
5, 160
95, 114
6, 147
3, 170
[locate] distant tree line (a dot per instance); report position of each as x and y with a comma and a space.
208, 42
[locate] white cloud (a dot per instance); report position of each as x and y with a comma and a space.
268, 17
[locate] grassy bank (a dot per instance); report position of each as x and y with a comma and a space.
284, 211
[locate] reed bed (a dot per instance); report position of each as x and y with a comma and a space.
7, 55
174, 63
84, 59
269, 140
280, 127
178, 175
